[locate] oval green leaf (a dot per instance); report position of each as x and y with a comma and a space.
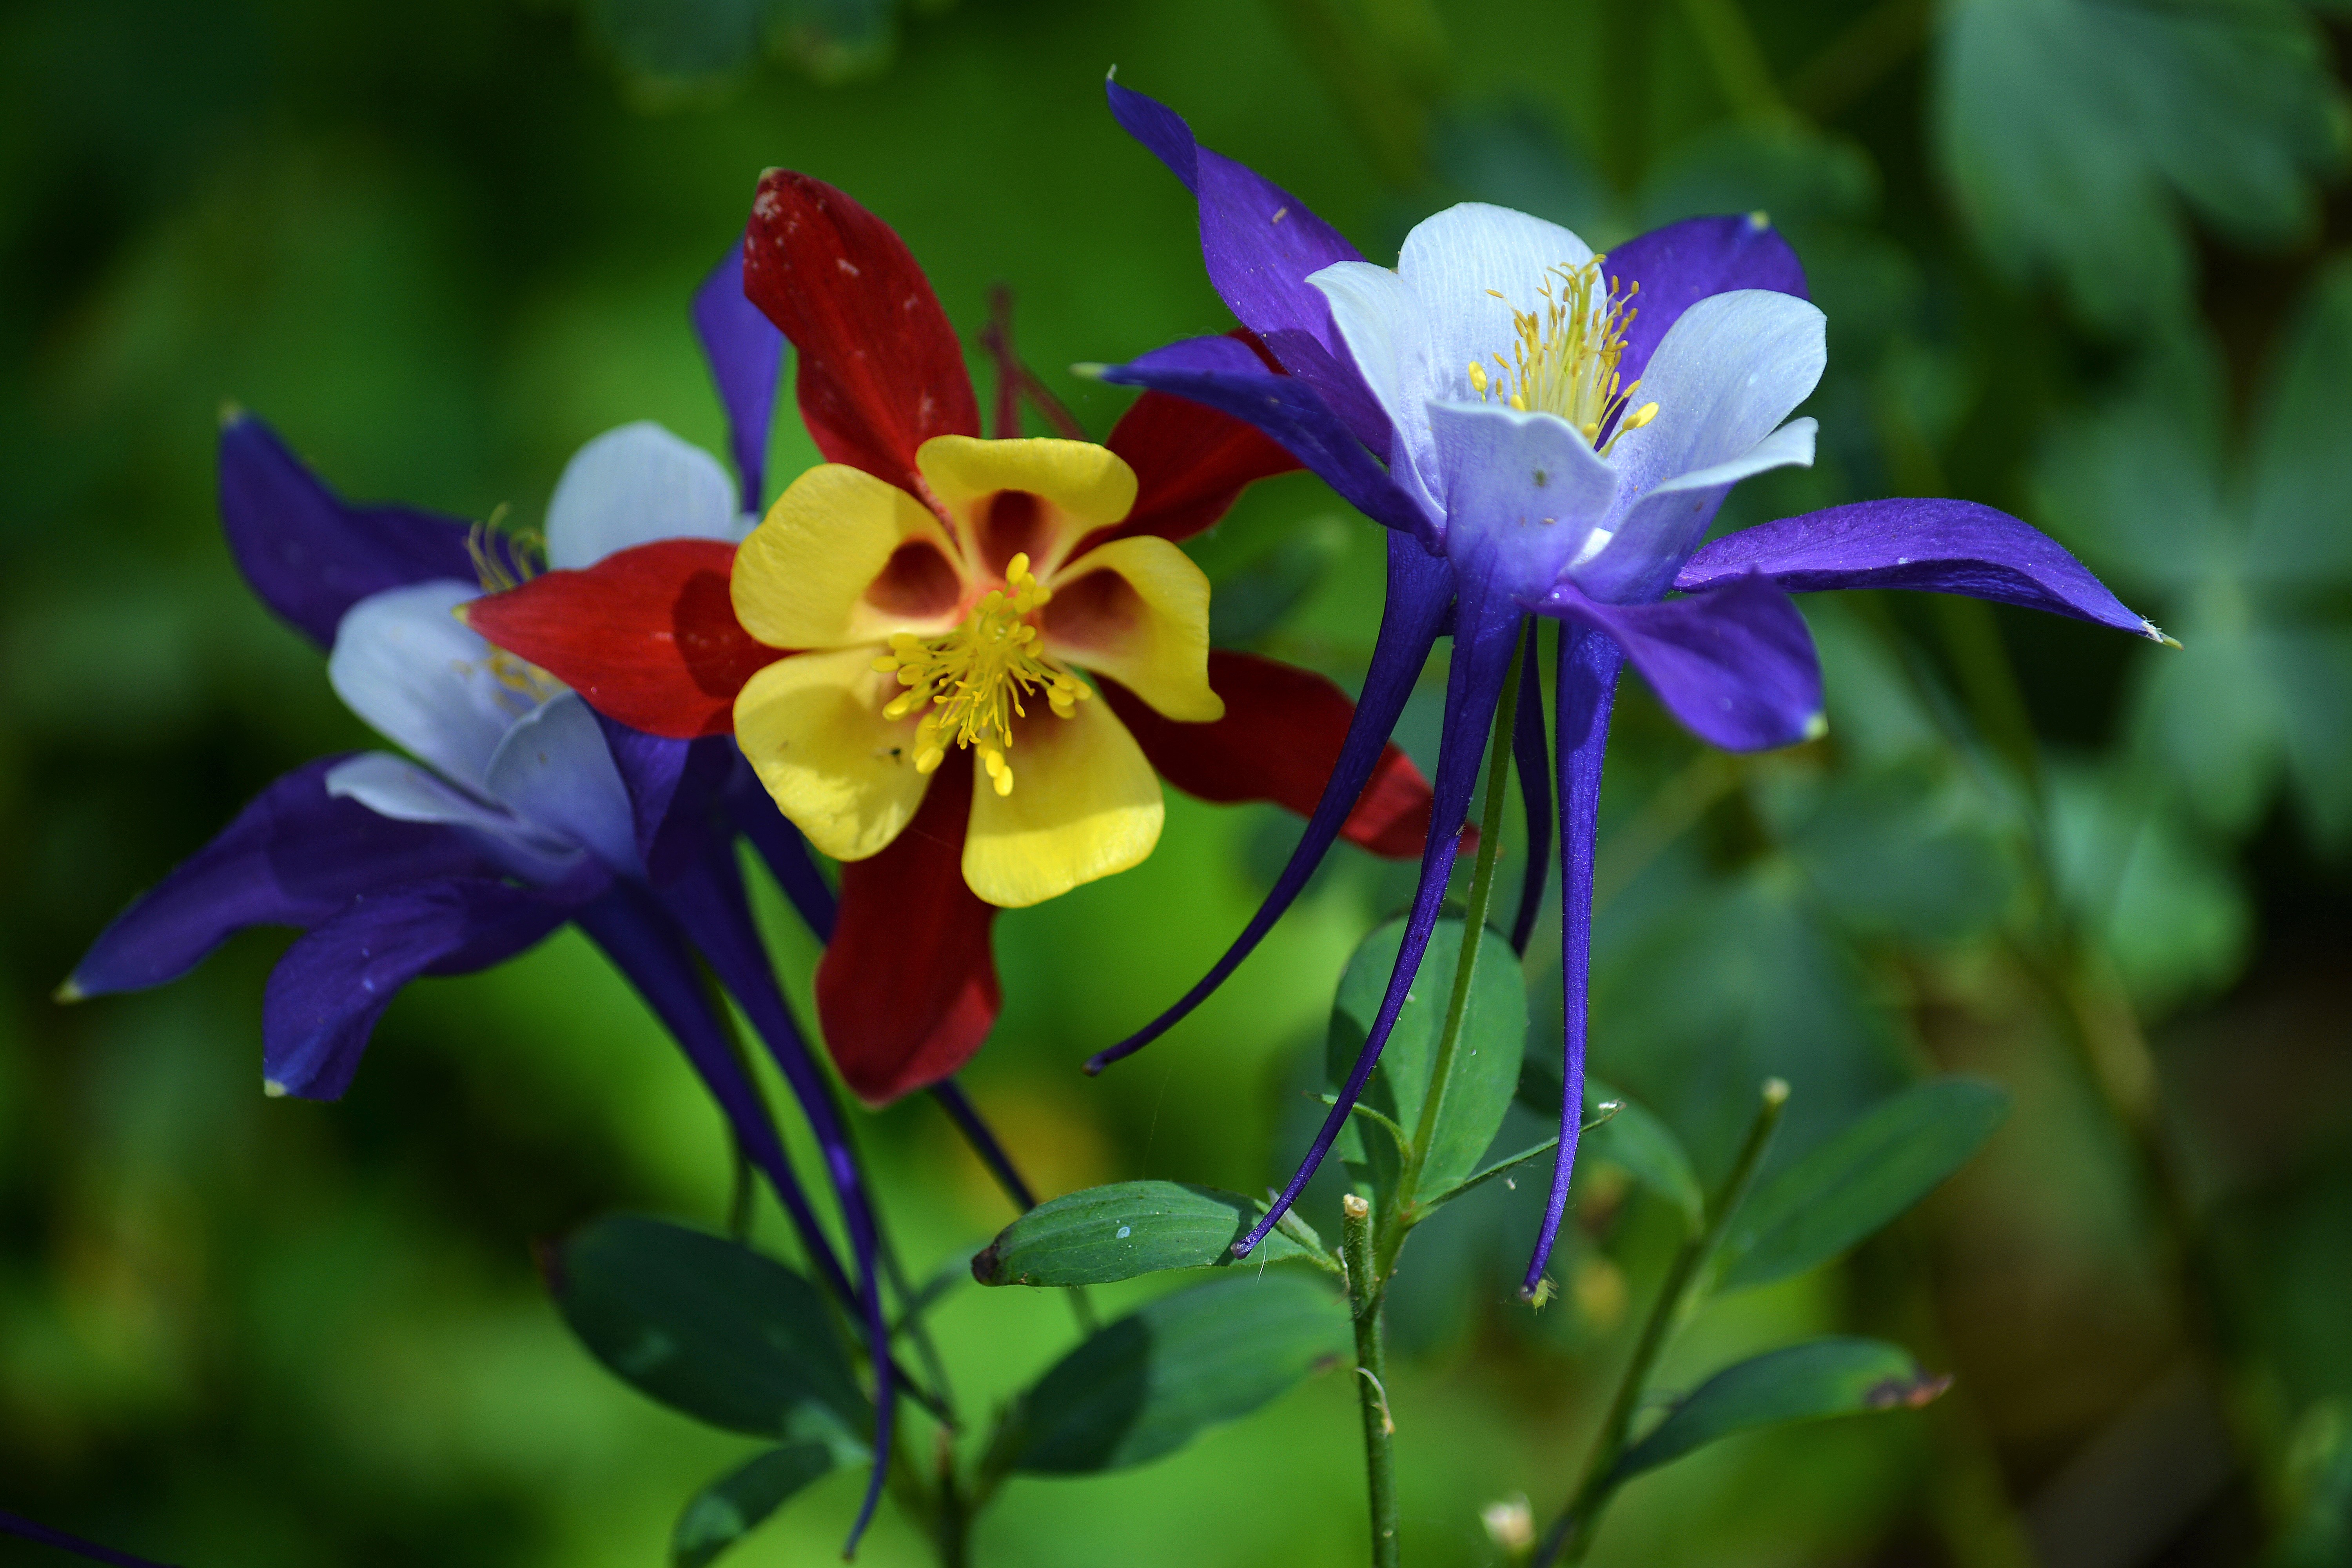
1859, 1180
739, 1502
1144, 1386
708, 1327
1127, 1228
1802, 1382
1486, 1055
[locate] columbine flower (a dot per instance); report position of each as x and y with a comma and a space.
524, 809
1550, 432
955, 663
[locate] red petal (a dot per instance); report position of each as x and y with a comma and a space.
649, 635
1190, 462
1279, 741
906, 989
880, 369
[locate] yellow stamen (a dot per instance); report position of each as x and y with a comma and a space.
972, 680
1564, 359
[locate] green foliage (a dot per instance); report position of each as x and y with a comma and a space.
2071, 128
1645, 1149
1486, 1057
739, 1502
2244, 558
1801, 1383
709, 1327
1858, 1181
1124, 1230
670, 52
1148, 1383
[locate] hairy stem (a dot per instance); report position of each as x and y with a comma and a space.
1570, 1537
1364, 1293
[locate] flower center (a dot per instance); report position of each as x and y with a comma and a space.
1564, 360
974, 679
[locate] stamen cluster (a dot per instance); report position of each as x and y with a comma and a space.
1564, 360
975, 677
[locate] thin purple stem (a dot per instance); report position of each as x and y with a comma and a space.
1531, 757
29, 1530
1483, 649
1589, 663
1420, 589
976, 1132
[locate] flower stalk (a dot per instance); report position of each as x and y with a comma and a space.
1570, 1536
1365, 1290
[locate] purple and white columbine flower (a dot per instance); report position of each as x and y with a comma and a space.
523, 809
1545, 433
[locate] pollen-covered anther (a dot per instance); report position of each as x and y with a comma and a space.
1565, 355
974, 681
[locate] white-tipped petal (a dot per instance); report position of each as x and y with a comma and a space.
397, 788
633, 486
554, 771
403, 663
1656, 533
1451, 259
1729, 370
1387, 333
1523, 493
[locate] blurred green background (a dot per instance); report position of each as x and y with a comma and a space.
2080, 261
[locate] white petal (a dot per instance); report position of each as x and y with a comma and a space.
555, 772
1728, 371
1388, 333
1523, 492
405, 664
1656, 533
633, 486
1453, 259
397, 788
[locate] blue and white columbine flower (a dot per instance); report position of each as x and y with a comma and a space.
1549, 433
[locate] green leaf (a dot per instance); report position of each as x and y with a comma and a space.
1859, 1180
1647, 1150
1116, 1232
2069, 126
739, 1502
709, 1328
1802, 1382
1144, 1386
1485, 1058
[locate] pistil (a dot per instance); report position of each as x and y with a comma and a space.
975, 679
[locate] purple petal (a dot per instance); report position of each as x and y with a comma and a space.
651, 768
1682, 263
327, 992
1224, 374
1531, 754
292, 857
746, 351
1420, 603
1737, 664
310, 554
1487, 632
1260, 244
1589, 664
1935, 546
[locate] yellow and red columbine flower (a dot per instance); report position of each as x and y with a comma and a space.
957, 664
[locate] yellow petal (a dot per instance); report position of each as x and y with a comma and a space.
843, 558
1033, 497
1137, 611
1085, 803
812, 726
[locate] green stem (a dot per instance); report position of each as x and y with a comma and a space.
1570, 1537
1364, 1293
1474, 930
